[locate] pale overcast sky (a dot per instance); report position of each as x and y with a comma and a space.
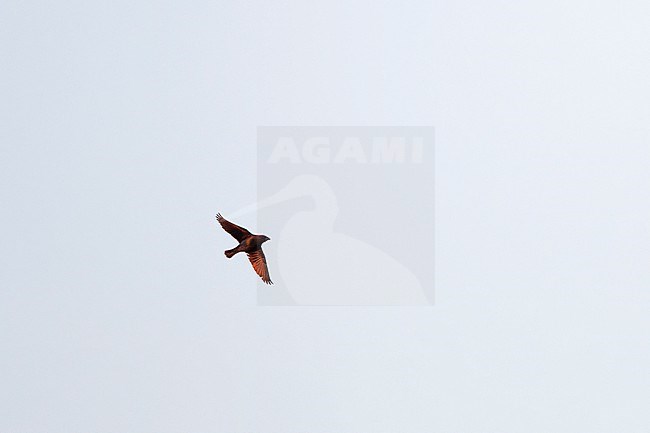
127, 125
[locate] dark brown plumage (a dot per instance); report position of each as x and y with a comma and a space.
250, 244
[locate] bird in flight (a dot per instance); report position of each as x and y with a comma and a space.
250, 244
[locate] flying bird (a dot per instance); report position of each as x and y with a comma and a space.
250, 244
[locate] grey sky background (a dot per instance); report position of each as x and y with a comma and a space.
127, 125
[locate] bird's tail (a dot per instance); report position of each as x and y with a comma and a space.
230, 253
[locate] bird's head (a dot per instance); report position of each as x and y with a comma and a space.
265, 238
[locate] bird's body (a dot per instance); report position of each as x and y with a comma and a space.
250, 244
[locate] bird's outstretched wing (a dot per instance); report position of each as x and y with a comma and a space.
258, 260
235, 231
